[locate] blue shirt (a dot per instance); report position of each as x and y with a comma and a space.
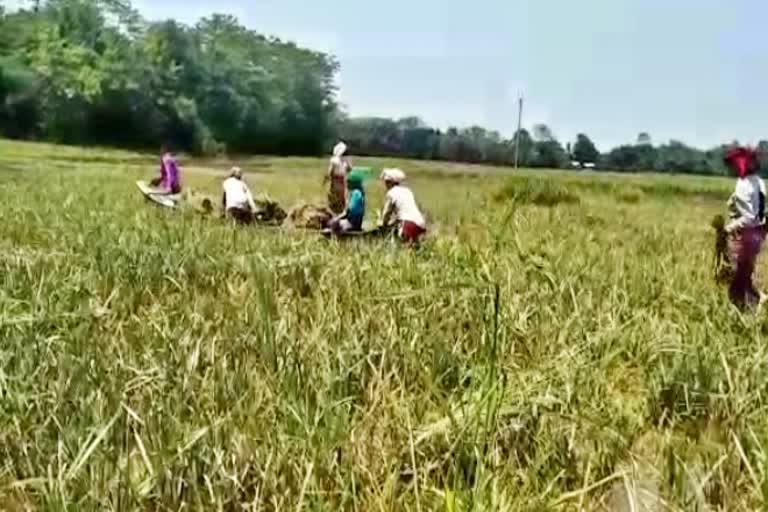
356, 208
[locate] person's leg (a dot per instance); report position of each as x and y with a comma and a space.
341, 226
240, 215
744, 248
337, 199
411, 232
736, 287
755, 242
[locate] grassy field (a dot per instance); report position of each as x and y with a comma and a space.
558, 343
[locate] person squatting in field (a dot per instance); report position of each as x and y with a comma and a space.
336, 177
352, 218
401, 209
169, 180
237, 201
746, 225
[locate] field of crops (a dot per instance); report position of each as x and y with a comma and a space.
558, 343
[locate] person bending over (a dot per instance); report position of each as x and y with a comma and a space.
237, 200
169, 181
401, 209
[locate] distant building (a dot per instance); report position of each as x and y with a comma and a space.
584, 165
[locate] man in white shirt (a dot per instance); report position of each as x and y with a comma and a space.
400, 205
237, 200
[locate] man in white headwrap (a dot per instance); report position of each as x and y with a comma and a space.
237, 200
400, 207
338, 169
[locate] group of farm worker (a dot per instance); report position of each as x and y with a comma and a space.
743, 235
346, 196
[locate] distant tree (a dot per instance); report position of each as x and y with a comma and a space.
644, 139
680, 158
631, 158
525, 148
584, 150
762, 152
410, 123
542, 133
549, 154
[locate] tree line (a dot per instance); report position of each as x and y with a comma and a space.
538, 149
96, 72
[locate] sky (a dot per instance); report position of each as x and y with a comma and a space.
689, 70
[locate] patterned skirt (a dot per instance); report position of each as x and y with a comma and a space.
744, 248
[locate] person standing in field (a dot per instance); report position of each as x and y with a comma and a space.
400, 208
169, 180
746, 225
352, 218
237, 201
336, 177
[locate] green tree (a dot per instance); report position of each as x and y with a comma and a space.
525, 149
584, 150
102, 74
547, 151
549, 154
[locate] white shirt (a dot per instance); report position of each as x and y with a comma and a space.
401, 202
237, 194
747, 204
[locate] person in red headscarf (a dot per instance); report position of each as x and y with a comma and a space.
746, 225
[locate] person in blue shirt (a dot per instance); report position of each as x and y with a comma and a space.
352, 218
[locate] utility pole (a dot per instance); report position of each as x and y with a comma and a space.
517, 135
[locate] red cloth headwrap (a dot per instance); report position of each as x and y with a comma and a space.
741, 159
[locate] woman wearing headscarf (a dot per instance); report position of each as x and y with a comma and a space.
401, 209
354, 213
746, 225
338, 169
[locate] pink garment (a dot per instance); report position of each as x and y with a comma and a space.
744, 248
169, 174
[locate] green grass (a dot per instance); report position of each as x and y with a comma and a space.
532, 355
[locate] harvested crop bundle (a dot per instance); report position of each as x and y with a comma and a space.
309, 216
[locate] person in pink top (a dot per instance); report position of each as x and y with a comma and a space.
169, 180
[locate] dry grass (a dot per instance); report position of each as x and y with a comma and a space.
526, 358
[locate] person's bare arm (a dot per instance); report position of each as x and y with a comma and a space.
387, 212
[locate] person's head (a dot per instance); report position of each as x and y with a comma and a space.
340, 150
392, 177
165, 149
236, 172
742, 161
355, 181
